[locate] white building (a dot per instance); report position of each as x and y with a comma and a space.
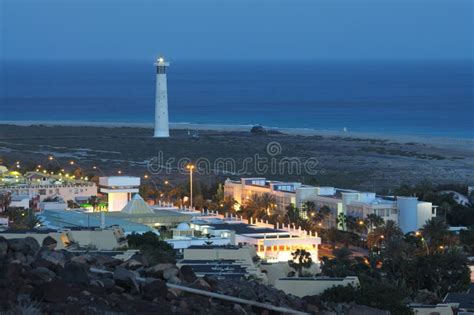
70, 190
408, 212
119, 190
161, 100
271, 244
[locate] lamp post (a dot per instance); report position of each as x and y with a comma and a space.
95, 167
190, 167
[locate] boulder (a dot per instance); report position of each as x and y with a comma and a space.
54, 257
155, 289
156, 271
75, 273
84, 259
106, 261
49, 242
170, 272
140, 258
27, 245
187, 274
3, 247
55, 291
201, 284
132, 264
126, 278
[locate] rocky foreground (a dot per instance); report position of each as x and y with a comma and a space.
38, 279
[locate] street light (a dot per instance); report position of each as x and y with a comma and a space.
95, 167
190, 167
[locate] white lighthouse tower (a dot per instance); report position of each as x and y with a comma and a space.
161, 100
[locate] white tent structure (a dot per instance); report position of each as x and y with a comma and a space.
137, 206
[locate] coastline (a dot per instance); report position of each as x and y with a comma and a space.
429, 140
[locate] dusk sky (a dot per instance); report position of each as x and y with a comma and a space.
237, 29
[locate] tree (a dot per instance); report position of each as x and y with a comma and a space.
439, 273
435, 232
333, 235
5, 200
293, 214
22, 219
340, 265
260, 205
301, 259
373, 221
94, 202
152, 247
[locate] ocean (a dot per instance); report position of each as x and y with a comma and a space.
429, 98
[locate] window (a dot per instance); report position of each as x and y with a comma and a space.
42, 192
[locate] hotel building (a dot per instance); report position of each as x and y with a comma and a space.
410, 213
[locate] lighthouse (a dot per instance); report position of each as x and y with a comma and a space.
161, 100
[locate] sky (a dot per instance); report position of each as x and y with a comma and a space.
236, 29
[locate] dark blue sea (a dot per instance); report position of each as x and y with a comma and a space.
433, 98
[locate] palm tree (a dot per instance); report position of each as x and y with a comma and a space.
301, 259
351, 223
293, 214
260, 206
5, 200
390, 230
333, 236
94, 201
435, 232
373, 221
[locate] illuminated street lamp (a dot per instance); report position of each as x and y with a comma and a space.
98, 168
190, 167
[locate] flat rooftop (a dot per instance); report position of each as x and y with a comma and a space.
242, 228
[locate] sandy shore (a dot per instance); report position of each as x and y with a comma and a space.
432, 140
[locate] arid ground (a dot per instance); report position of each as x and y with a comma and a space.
351, 162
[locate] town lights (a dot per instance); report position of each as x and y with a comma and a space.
145, 176
50, 158
119, 172
71, 162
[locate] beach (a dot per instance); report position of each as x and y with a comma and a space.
373, 162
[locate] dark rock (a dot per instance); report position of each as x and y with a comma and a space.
41, 262
126, 278
108, 283
156, 271
13, 272
187, 274
83, 259
55, 257
170, 272
3, 247
155, 289
49, 242
55, 291
75, 273
140, 258
27, 245
201, 284
106, 261
132, 264
44, 272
